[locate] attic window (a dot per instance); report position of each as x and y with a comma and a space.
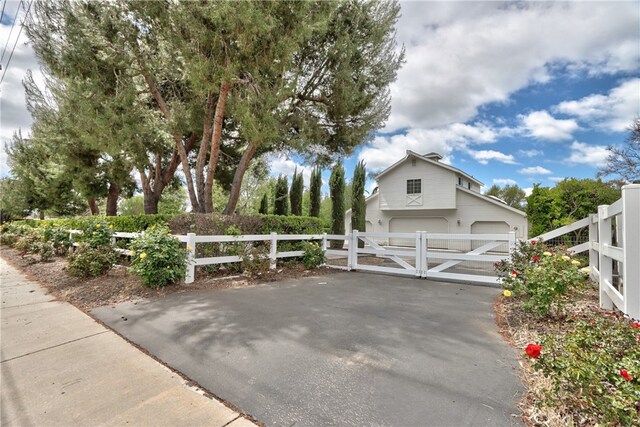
460, 181
414, 186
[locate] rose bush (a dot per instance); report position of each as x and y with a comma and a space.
158, 257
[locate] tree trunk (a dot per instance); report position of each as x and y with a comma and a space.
201, 160
41, 214
215, 145
150, 203
245, 160
93, 206
112, 199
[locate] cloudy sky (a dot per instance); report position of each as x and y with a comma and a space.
524, 92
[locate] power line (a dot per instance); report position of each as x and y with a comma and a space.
13, 24
17, 38
3, 6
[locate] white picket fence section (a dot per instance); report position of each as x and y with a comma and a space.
614, 250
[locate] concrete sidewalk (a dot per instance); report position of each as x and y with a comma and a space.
59, 367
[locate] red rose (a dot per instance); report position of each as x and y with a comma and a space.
625, 375
533, 350
536, 259
514, 273
533, 242
636, 325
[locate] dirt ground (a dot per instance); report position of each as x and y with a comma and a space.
118, 285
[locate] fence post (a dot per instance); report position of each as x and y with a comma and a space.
593, 237
418, 253
324, 242
71, 247
606, 273
191, 258
273, 251
631, 249
425, 254
353, 250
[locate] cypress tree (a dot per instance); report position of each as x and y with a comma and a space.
281, 201
336, 188
297, 188
314, 188
358, 205
264, 205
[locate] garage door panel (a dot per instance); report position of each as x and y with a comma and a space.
490, 227
413, 224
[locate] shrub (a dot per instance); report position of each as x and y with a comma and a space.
95, 233
313, 255
58, 238
89, 261
255, 261
542, 276
11, 232
588, 365
158, 257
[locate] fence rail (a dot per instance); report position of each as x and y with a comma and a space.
614, 250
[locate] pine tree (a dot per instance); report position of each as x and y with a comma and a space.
358, 205
314, 188
281, 201
297, 188
336, 188
264, 205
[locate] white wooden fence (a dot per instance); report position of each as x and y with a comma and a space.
614, 250
412, 261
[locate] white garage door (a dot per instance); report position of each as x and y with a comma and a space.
413, 224
490, 227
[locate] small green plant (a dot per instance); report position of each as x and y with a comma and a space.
255, 261
542, 276
95, 233
595, 369
89, 261
59, 239
158, 257
313, 256
11, 232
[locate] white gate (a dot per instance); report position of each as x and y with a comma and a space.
459, 259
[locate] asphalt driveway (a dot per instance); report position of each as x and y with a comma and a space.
344, 349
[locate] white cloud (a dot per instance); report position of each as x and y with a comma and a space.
484, 156
614, 111
530, 153
461, 55
556, 178
12, 102
385, 150
282, 165
592, 155
541, 125
504, 181
535, 170
527, 191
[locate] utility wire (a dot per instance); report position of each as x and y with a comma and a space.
3, 6
17, 38
13, 24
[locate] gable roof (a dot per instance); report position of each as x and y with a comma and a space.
428, 158
491, 199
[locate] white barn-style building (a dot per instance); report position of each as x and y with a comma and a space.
420, 193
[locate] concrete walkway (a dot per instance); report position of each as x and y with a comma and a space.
59, 367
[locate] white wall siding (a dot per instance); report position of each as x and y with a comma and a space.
438, 187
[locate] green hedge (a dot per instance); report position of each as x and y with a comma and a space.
195, 223
129, 224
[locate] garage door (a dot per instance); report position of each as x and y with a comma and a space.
413, 224
490, 227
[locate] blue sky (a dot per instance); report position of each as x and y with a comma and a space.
510, 92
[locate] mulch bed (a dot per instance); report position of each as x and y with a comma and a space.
118, 285
520, 328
